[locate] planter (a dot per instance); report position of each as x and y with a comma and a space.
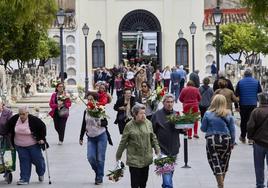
184, 126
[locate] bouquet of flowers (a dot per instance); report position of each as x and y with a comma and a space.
95, 110
55, 82
117, 173
187, 117
157, 96
164, 164
62, 97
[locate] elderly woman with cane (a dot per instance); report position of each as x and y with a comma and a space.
28, 135
219, 126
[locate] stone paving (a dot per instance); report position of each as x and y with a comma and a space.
70, 168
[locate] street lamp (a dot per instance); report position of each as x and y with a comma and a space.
217, 16
180, 34
192, 31
60, 19
85, 30
98, 35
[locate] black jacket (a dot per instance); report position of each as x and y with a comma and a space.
119, 103
257, 126
37, 127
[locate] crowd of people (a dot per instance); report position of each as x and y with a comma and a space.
144, 127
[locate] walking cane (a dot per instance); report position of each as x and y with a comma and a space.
48, 172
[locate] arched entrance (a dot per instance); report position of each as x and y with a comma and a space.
140, 38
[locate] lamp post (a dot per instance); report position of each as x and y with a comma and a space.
192, 31
98, 35
60, 19
85, 30
217, 16
180, 34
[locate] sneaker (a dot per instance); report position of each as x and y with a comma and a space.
250, 142
196, 136
60, 143
189, 137
98, 182
41, 178
22, 182
243, 140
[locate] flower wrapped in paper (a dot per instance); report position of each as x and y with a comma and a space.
95, 110
184, 121
165, 164
157, 96
117, 173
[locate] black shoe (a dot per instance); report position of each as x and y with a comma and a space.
98, 182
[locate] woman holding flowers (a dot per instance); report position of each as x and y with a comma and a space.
94, 123
60, 104
219, 126
138, 139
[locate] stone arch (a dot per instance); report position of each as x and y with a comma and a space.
70, 39
70, 49
71, 81
71, 61
145, 21
209, 58
71, 72
210, 36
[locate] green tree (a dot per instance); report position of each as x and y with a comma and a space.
245, 39
259, 10
22, 23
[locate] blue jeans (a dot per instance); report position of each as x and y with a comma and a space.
175, 89
260, 154
28, 156
96, 149
167, 180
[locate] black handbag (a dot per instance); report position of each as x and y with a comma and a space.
63, 112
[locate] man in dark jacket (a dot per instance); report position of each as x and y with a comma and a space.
27, 136
168, 137
247, 90
257, 128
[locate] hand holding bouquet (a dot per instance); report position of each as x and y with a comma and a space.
95, 110
164, 164
117, 173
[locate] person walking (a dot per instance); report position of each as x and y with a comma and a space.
123, 107
195, 78
138, 139
60, 101
219, 126
206, 93
175, 78
166, 77
28, 134
229, 94
95, 129
247, 90
257, 128
183, 74
213, 70
190, 98
5, 115
167, 136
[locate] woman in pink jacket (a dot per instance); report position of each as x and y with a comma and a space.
190, 98
60, 104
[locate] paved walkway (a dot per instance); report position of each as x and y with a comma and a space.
70, 168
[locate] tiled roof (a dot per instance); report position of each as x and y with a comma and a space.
229, 16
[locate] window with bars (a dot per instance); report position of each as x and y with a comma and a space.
98, 53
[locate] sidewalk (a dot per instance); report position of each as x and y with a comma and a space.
69, 167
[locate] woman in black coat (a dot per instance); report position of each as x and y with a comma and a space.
123, 106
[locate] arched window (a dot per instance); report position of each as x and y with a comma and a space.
182, 52
98, 54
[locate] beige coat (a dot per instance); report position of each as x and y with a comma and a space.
229, 95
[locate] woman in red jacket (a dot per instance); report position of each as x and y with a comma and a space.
58, 101
102, 95
190, 98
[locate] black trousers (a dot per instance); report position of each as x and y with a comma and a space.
245, 111
138, 176
59, 124
202, 111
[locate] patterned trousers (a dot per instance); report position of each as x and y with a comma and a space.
218, 153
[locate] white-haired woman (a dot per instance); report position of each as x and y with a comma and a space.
138, 139
5, 115
219, 126
27, 134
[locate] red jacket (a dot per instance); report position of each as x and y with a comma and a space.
103, 98
190, 95
53, 105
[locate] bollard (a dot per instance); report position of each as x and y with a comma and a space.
185, 139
